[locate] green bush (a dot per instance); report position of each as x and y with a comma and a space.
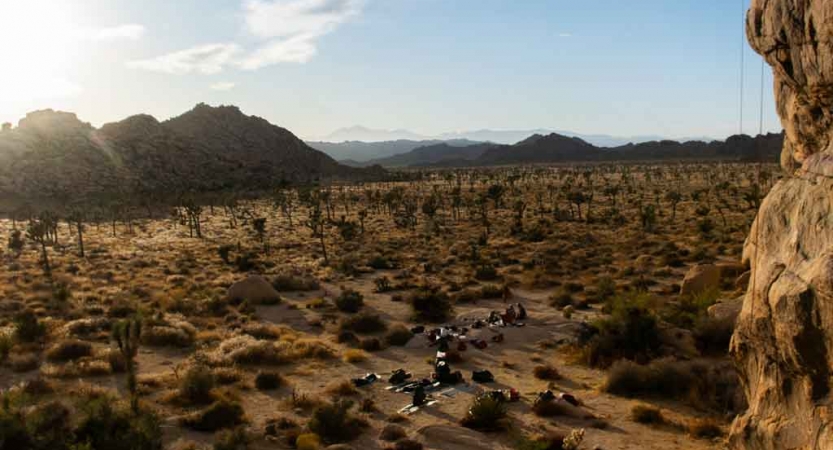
105, 426
704, 385
349, 301
430, 305
631, 332
485, 414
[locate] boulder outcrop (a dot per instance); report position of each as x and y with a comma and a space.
783, 343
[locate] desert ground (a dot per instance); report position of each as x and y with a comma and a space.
257, 311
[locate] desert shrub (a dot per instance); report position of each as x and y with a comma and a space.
686, 312
364, 323
491, 291
196, 385
24, 362
399, 336
702, 384
287, 283
342, 389
353, 356
546, 372
646, 415
549, 408
234, 439
221, 414
27, 327
486, 413
308, 441
371, 344
712, 335
49, 425
392, 433
107, 426
334, 423
265, 381
69, 350
561, 299
379, 262
163, 334
224, 251
631, 332
705, 429
6, 344
430, 305
407, 444
349, 301
486, 272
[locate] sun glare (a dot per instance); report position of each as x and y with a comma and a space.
39, 42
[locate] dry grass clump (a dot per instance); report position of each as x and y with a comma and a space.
334, 422
546, 372
220, 415
354, 356
647, 415
341, 389
69, 350
250, 351
168, 331
364, 323
398, 336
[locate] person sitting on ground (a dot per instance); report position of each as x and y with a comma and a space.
419, 396
510, 316
521, 312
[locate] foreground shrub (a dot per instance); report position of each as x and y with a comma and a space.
266, 381
106, 426
705, 385
630, 332
334, 423
485, 414
349, 301
197, 384
430, 305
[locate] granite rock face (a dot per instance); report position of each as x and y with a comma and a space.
783, 343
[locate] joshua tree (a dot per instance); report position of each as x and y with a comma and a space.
193, 211
648, 215
519, 208
16, 242
76, 218
316, 224
38, 231
495, 193
127, 335
674, 198
362, 218
259, 225
284, 201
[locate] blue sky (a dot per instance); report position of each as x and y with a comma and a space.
658, 67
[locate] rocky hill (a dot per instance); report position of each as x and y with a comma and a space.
556, 148
358, 153
54, 154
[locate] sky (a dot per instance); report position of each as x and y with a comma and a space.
642, 67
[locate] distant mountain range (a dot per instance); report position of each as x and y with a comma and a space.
556, 148
363, 144
55, 155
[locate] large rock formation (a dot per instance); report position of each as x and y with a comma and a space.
783, 344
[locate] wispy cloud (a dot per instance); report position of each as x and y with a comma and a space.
284, 31
205, 59
223, 86
566, 35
